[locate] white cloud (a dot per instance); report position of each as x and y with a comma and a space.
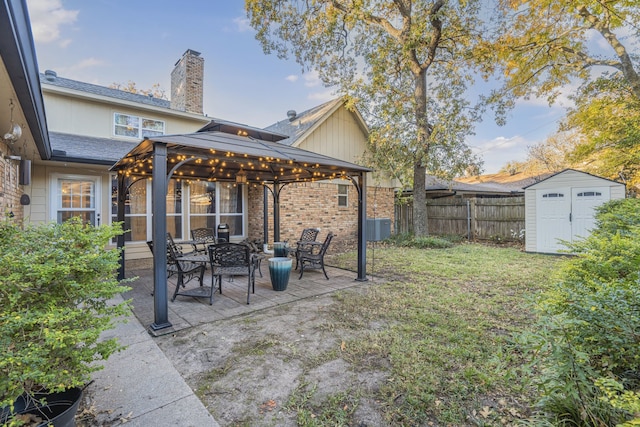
242, 24
88, 63
311, 79
324, 96
292, 78
47, 17
499, 142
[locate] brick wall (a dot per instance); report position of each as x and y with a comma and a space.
187, 83
307, 205
10, 191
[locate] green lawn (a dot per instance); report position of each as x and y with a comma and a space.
443, 323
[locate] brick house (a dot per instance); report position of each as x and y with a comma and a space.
23, 126
90, 127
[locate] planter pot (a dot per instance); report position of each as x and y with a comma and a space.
279, 271
279, 249
60, 410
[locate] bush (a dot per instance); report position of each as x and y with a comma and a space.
55, 283
411, 241
587, 349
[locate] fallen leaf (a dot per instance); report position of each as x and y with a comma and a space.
343, 346
486, 411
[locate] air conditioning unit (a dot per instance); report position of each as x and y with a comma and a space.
378, 229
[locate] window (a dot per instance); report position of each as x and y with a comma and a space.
205, 203
137, 209
136, 127
213, 203
76, 196
343, 195
590, 194
552, 195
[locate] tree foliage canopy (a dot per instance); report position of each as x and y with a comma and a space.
406, 65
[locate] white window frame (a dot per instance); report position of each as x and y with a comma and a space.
141, 130
55, 192
343, 196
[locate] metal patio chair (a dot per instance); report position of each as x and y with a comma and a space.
315, 257
232, 259
304, 243
202, 237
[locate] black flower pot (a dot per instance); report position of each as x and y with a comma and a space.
60, 410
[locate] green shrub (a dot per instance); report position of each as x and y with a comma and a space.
55, 284
588, 336
428, 242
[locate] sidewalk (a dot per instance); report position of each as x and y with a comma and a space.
140, 387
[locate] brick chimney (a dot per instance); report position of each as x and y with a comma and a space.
186, 83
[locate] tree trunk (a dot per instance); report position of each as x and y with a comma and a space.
419, 168
419, 201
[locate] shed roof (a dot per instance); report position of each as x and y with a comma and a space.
572, 170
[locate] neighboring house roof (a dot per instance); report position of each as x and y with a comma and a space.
513, 182
433, 183
573, 170
299, 125
18, 54
51, 78
86, 149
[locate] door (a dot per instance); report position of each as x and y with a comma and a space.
553, 219
583, 203
76, 195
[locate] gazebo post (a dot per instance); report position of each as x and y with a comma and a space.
362, 224
159, 235
276, 211
120, 218
265, 214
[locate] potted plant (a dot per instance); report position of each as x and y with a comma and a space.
56, 281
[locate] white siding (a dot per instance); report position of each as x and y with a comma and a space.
566, 179
530, 222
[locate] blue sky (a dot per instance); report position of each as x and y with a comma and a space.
116, 41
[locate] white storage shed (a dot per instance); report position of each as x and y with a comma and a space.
561, 207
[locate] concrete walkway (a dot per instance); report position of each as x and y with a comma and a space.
140, 387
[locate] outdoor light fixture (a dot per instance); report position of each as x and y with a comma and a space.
241, 177
15, 131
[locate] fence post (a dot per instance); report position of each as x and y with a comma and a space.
473, 219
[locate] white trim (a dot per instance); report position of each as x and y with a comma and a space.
54, 181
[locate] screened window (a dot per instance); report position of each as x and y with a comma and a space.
136, 127
343, 195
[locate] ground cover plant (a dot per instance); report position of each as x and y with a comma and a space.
427, 341
586, 346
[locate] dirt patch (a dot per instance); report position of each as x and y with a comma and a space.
276, 367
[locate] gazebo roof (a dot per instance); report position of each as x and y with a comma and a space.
241, 157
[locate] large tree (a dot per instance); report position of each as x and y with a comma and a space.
550, 44
406, 65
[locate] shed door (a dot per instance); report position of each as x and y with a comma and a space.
583, 202
553, 218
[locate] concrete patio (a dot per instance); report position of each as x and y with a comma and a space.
186, 312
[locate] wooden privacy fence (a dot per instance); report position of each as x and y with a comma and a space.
475, 218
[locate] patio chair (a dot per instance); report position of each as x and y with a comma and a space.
315, 257
302, 244
232, 259
177, 248
185, 272
202, 237
189, 270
